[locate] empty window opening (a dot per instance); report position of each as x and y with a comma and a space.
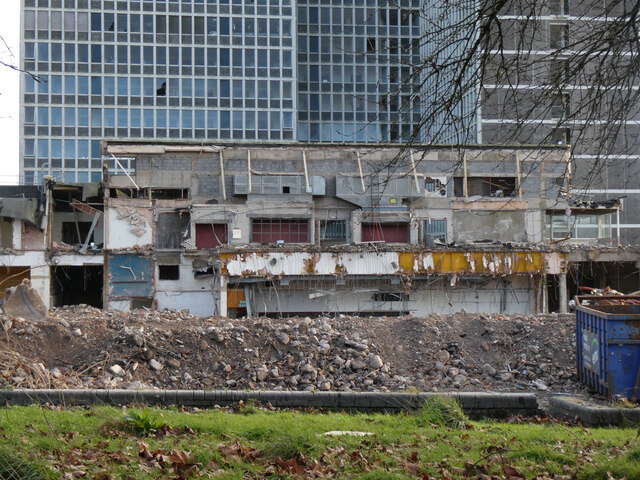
275, 230
211, 235
75, 233
204, 272
286, 189
76, 285
485, 186
371, 44
138, 303
385, 232
169, 272
169, 193
171, 229
390, 297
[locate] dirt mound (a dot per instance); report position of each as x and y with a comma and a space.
83, 347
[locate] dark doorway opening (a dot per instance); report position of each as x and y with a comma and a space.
76, 285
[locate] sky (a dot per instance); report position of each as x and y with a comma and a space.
9, 92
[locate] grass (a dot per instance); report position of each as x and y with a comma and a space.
438, 441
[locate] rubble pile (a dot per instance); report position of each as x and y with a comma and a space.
84, 347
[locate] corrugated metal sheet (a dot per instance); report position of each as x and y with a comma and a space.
269, 264
129, 276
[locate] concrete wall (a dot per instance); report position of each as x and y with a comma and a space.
198, 295
496, 296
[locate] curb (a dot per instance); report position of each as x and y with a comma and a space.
592, 414
475, 405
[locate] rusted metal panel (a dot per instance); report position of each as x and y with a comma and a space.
129, 276
271, 263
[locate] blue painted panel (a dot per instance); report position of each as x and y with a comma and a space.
129, 276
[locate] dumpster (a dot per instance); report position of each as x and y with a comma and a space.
608, 344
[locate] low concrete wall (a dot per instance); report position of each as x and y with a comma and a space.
593, 413
475, 405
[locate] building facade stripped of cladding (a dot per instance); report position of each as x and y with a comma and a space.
237, 230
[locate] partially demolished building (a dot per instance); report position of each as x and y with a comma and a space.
235, 230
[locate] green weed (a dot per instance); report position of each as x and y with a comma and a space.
144, 422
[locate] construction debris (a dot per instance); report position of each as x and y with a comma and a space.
174, 350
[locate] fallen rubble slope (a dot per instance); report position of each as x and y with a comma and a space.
84, 347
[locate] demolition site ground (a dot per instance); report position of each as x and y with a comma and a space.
84, 347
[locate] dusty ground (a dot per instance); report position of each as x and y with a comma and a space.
83, 347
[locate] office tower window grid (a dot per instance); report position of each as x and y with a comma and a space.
356, 76
196, 69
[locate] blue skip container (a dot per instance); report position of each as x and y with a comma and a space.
608, 344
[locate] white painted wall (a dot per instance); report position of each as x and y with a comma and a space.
120, 234
188, 293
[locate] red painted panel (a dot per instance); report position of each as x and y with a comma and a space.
385, 232
211, 236
270, 230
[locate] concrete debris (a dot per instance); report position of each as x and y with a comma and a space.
323, 354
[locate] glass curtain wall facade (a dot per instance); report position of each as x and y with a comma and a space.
234, 70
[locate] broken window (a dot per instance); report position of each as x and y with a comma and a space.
371, 44
434, 185
485, 186
169, 193
385, 232
390, 297
168, 272
558, 35
275, 230
172, 229
332, 232
211, 235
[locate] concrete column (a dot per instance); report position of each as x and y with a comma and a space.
562, 292
223, 310
41, 282
16, 234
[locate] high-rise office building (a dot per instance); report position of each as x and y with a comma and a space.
227, 70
